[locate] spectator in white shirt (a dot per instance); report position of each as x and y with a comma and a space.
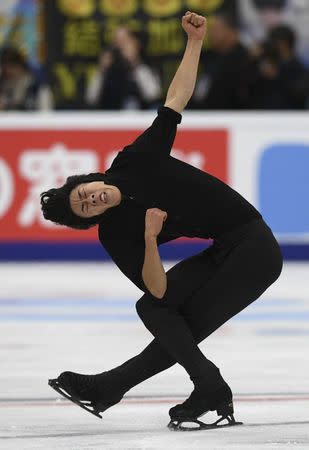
123, 80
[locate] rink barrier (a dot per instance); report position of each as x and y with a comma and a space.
263, 156
59, 251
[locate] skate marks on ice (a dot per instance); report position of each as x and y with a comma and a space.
134, 431
133, 428
145, 420
32, 416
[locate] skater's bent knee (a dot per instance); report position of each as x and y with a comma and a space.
145, 305
279, 266
141, 306
138, 307
274, 264
277, 263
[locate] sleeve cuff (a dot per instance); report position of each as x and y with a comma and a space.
170, 113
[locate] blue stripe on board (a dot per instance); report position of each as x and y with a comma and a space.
302, 316
92, 251
87, 251
117, 303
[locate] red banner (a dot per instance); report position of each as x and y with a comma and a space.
36, 160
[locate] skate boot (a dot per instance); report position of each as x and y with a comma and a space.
198, 404
94, 393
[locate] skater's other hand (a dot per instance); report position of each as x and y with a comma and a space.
154, 219
194, 25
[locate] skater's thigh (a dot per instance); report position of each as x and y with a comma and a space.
235, 283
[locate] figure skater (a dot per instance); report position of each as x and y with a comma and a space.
147, 198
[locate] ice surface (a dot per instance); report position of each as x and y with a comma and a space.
81, 317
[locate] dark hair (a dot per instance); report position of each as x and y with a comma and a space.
283, 33
55, 203
12, 55
270, 54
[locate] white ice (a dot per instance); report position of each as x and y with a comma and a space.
81, 317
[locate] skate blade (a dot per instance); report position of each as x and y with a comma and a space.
176, 425
85, 405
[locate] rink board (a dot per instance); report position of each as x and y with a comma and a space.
265, 157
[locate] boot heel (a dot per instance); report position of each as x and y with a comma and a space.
225, 409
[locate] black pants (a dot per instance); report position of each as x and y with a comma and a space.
203, 292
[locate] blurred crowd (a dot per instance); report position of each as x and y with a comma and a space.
267, 75
235, 73
21, 88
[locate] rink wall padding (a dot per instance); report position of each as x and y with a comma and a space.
59, 251
263, 156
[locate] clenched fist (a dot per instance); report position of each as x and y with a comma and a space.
154, 219
194, 25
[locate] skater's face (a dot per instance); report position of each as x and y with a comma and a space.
93, 199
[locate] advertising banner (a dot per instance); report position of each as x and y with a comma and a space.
270, 167
36, 160
265, 157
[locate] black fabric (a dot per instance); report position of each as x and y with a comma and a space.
197, 203
294, 78
118, 85
204, 291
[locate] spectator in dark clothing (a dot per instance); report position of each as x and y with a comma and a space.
118, 85
266, 89
20, 89
224, 83
293, 74
123, 80
281, 80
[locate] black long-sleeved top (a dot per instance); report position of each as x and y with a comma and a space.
197, 203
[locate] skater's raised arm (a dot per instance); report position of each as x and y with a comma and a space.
159, 137
182, 86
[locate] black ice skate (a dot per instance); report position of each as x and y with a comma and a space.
199, 404
91, 392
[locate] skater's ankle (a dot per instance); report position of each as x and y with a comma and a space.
208, 384
113, 381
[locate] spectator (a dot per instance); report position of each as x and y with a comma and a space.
281, 80
123, 80
19, 88
224, 83
293, 74
258, 17
266, 89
